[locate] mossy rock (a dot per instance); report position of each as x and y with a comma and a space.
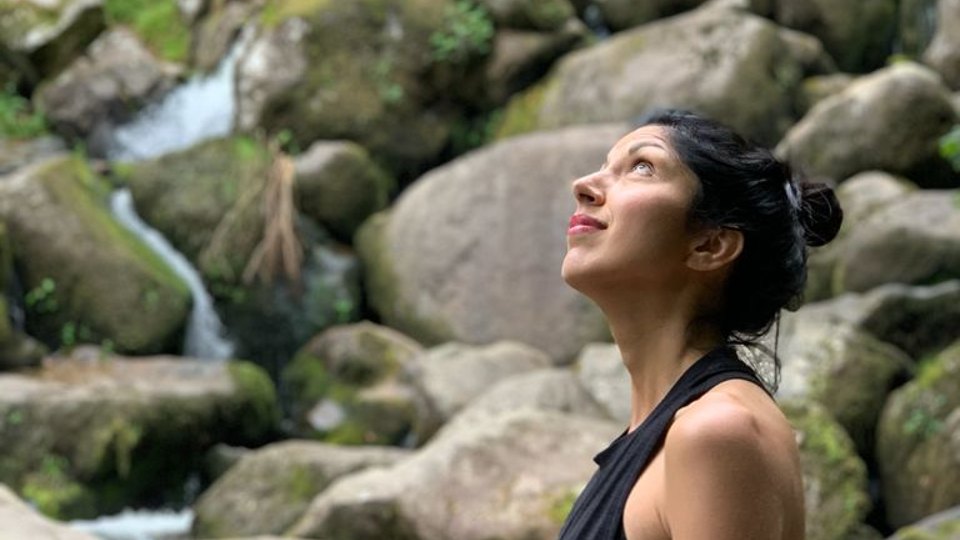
51, 34
941, 526
917, 449
94, 434
158, 23
835, 478
85, 277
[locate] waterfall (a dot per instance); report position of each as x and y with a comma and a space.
205, 334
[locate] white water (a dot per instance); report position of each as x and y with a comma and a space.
206, 337
200, 109
139, 525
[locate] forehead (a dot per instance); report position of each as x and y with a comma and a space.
651, 136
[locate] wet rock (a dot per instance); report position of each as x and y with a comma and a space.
943, 54
339, 186
346, 385
217, 31
723, 62
87, 433
918, 445
441, 273
50, 34
268, 490
890, 120
451, 375
834, 477
513, 476
116, 77
857, 34
19, 520
86, 278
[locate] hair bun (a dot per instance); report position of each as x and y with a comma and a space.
820, 213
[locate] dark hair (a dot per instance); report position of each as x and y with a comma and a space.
743, 186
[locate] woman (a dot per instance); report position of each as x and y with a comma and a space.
691, 240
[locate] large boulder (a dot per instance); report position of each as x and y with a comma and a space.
601, 371
17, 350
378, 73
50, 33
834, 477
19, 153
858, 34
217, 30
737, 67
451, 375
831, 361
209, 202
913, 240
85, 277
87, 433
918, 441
943, 54
512, 477
19, 520
268, 490
347, 386
890, 120
339, 186
116, 77
484, 265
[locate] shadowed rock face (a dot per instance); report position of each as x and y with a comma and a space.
943, 54
484, 265
18, 520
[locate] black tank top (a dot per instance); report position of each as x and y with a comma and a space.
597, 513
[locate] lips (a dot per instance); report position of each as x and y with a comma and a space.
582, 223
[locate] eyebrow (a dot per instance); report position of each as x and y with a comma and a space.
637, 146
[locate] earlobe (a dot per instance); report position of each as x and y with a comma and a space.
715, 248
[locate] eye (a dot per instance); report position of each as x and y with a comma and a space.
642, 167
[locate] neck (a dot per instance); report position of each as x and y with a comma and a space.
653, 334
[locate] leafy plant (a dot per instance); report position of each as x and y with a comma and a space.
18, 120
467, 32
950, 147
41, 298
156, 21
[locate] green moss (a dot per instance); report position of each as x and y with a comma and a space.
522, 113
258, 397
157, 22
17, 18
18, 118
467, 32
53, 491
278, 11
559, 506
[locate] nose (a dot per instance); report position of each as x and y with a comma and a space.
587, 191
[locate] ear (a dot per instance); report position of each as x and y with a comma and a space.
714, 248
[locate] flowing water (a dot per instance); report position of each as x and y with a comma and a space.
139, 525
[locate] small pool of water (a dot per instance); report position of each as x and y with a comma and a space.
139, 525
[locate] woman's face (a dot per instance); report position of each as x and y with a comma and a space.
630, 226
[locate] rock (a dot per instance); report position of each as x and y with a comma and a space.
116, 77
521, 57
943, 54
208, 202
544, 15
484, 266
216, 32
20, 153
833, 362
918, 444
815, 89
940, 526
914, 240
918, 23
601, 371
51, 35
513, 477
268, 490
345, 385
339, 186
87, 434
857, 34
728, 64
19, 520
834, 477
890, 120
450, 376
859, 196
87, 278
622, 14
379, 74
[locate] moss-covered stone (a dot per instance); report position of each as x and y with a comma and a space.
521, 114
917, 441
50, 34
157, 22
85, 277
835, 478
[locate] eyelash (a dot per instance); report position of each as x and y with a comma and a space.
644, 163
